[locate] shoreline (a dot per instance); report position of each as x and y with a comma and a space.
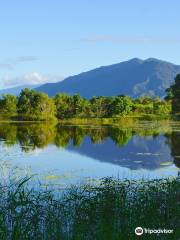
101, 121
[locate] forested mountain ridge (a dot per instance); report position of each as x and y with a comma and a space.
135, 78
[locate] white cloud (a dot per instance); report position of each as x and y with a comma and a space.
12, 62
132, 39
32, 78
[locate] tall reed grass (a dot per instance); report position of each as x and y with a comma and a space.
109, 210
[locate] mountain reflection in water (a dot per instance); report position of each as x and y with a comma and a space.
143, 145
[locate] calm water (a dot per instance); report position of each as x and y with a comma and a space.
74, 154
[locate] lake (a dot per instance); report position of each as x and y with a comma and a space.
66, 154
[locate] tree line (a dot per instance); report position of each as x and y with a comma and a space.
33, 105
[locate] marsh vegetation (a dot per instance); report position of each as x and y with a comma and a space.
109, 209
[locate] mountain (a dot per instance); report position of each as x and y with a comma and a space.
135, 77
16, 90
126, 156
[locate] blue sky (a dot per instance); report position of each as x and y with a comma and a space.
47, 40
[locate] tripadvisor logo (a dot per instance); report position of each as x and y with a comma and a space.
139, 231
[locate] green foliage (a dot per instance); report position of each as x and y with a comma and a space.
8, 105
121, 106
170, 95
173, 94
71, 106
143, 108
162, 107
35, 106
63, 105
109, 209
144, 100
143, 105
99, 106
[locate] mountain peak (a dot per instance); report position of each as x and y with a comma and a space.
135, 60
152, 60
131, 78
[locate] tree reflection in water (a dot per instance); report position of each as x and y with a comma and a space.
31, 136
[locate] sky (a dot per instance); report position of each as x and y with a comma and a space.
48, 40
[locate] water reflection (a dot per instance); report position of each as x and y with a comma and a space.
143, 145
174, 143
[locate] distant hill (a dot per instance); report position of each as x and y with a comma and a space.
16, 90
135, 77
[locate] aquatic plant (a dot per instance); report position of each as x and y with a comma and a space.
111, 209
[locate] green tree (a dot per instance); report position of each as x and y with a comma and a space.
121, 105
169, 96
144, 100
80, 106
71, 106
99, 106
143, 104
63, 106
35, 106
161, 107
173, 93
8, 105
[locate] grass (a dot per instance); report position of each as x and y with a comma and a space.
96, 120
115, 120
152, 117
110, 210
